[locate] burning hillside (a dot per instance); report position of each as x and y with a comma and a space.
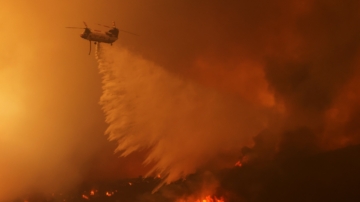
329, 176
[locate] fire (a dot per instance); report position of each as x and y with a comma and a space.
211, 199
238, 163
109, 194
85, 197
92, 192
206, 199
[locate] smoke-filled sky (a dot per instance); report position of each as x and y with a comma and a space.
227, 70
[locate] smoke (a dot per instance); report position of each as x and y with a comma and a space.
28, 162
183, 124
200, 82
40, 151
44, 121
287, 67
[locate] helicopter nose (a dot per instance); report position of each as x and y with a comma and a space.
82, 36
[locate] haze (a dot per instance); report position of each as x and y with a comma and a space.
238, 68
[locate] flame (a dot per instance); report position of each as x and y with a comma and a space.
238, 164
85, 197
208, 198
109, 194
92, 192
211, 199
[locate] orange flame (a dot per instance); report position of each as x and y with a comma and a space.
206, 199
92, 192
211, 199
85, 197
238, 164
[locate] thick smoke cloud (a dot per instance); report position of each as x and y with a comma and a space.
293, 60
325, 63
307, 52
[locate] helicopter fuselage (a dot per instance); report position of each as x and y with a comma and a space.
97, 36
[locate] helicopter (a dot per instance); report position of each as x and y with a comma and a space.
98, 36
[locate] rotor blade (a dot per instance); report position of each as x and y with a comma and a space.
104, 25
76, 27
128, 32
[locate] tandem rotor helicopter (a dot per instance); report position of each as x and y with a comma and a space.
98, 36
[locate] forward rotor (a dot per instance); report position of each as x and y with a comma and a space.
114, 27
86, 27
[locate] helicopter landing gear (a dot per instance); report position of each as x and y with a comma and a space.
90, 48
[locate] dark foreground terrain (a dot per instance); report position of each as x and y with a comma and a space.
329, 176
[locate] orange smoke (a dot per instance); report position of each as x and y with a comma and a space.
342, 117
245, 78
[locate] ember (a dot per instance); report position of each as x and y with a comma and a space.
205, 199
85, 197
92, 192
238, 164
211, 199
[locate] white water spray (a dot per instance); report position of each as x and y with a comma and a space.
182, 124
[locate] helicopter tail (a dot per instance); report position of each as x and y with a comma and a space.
114, 31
